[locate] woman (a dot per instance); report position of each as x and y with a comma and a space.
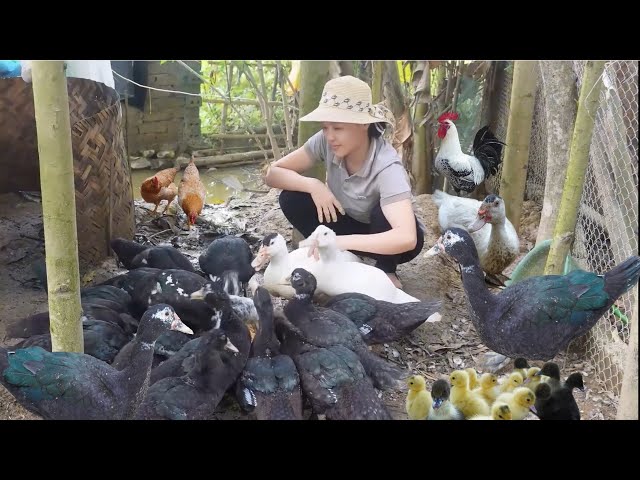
367, 199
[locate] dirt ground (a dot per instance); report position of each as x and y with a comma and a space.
433, 350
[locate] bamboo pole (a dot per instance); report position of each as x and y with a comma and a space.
422, 149
376, 80
53, 126
516, 156
578, 161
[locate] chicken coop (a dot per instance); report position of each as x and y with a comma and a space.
103, 191
607, 227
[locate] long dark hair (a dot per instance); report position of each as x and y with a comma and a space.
376, 129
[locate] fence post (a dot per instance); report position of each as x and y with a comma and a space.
516, 156
51, 104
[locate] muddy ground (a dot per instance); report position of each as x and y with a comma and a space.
433, 350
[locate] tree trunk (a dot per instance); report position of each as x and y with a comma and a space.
628, 405
376, 81
578, 162
561, 97
51, 105
313, 76
422, 146
516, 156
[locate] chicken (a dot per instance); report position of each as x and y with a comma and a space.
418, 402
499, 411
191, 193
160, 187
468, 402
466, 172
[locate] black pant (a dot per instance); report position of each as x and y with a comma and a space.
302, 213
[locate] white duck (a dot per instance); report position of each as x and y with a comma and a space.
282, 263
335, 276
493, 234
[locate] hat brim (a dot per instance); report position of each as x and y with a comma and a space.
330, 114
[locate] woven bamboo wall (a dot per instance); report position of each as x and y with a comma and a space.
104, 196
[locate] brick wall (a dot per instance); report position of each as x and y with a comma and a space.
169, 121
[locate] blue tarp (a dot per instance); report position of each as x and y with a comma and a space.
10, 68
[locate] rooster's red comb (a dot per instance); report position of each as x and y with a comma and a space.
448, 116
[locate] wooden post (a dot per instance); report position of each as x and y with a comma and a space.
51, 104
561, 101
516, 156
578, 161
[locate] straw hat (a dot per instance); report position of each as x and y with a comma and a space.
348, 100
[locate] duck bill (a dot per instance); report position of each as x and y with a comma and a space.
261, 259
436, 403
198, 294
480, 221
231, 347
435, 250
178, 326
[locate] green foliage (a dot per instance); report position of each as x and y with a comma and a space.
217, 75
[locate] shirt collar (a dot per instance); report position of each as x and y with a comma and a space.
368, 164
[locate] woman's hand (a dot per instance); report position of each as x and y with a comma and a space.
326, 203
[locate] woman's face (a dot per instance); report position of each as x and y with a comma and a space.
344, 138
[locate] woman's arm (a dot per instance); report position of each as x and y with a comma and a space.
286, 175
286, 172
401, 238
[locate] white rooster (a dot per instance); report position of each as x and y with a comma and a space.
466, 172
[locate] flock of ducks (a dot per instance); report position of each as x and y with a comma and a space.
166, 340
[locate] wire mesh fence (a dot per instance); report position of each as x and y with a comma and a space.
607, 227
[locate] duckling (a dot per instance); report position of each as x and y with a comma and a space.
489, 388
513, 381
558, 404
442, 408
551, 370
418, 403
473, 378
499, 411
520, 402
468, 402
532, 379
521, 365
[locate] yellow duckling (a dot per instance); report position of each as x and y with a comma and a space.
519, 401
514, 381
418, 404
499, 411
468, 402
532, 380
521, 366
489, 388
473, 378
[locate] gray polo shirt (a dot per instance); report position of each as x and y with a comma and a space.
381, 180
